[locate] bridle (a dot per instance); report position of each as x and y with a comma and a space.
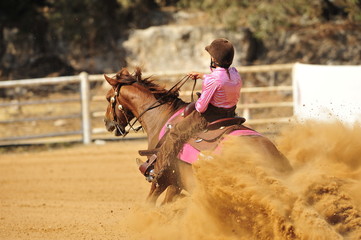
157, 103
113, 101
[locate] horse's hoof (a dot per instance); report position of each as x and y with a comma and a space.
138, 161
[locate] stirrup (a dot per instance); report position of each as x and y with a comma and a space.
147, 168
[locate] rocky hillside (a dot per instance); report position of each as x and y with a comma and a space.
181, 47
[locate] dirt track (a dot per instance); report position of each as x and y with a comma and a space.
96, 192
81, 192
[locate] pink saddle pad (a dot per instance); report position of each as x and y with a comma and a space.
189, 154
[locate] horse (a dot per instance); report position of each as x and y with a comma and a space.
133, 97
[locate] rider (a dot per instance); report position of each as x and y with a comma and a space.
219, 97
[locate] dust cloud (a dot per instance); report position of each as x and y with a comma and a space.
240, 196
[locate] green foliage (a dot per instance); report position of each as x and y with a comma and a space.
353, 7
86, 22
265, 17
21, 13
83, 25
27, 18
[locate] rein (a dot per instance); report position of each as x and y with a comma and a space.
179, 84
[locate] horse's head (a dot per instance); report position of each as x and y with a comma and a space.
131, 96
118, 113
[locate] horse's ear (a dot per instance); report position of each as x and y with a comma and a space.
138, 74
125, 72
122, 74
113, 82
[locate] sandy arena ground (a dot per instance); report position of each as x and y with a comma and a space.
76, 193
96, 192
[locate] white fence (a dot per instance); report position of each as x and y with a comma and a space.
84, 80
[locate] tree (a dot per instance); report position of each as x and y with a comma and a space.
27, 17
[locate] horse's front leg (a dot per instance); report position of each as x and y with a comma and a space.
155, 191
172, 191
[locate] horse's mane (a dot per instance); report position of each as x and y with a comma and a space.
159, 92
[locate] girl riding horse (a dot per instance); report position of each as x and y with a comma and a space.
219, 97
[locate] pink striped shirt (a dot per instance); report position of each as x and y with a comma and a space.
220, 90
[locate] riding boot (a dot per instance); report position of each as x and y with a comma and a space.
147, 167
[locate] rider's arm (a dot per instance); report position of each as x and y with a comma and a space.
196, 75
208, 89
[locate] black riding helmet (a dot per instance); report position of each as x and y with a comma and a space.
222, 51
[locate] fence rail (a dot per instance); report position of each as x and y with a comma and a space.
85, 99
39, 102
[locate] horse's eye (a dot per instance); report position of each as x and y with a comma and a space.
108, 96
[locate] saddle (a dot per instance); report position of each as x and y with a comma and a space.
215, 132
205, 140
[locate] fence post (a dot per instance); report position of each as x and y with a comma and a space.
246, 113
85, 107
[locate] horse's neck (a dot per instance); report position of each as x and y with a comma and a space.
154, 119
153, 122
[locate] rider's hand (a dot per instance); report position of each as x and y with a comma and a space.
195, 75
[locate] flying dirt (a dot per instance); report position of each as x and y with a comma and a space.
239, 195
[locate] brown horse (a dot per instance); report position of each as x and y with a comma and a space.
133, 97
